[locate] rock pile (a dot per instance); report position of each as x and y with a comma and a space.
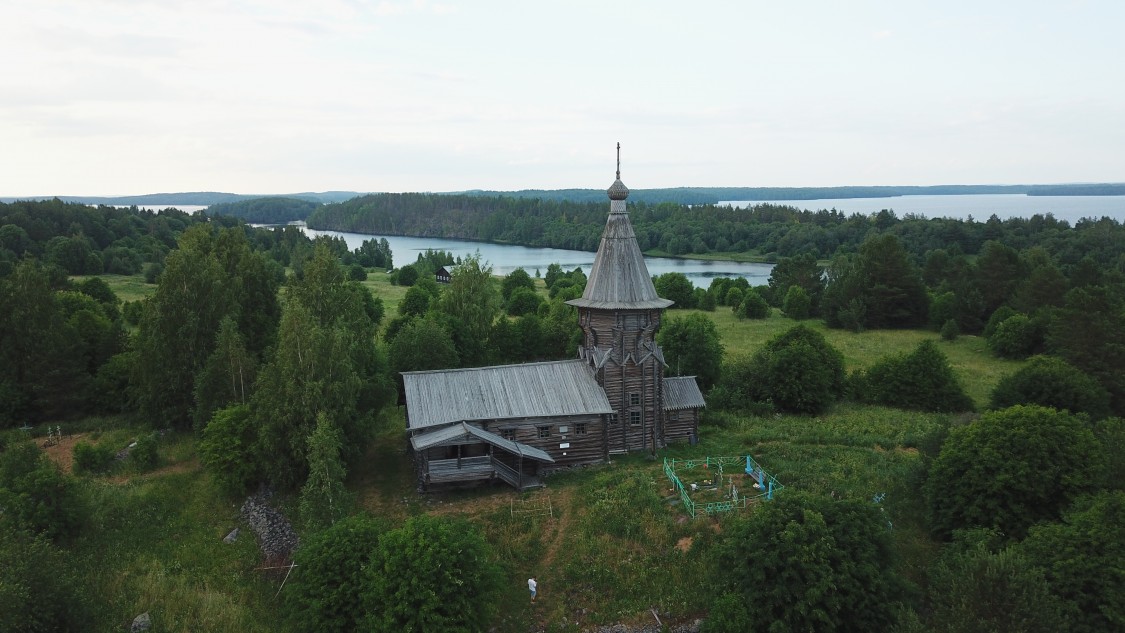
276, 537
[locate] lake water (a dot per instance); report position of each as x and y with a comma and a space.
504, 258
979, 206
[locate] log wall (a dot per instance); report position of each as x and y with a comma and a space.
632, 369
588, 448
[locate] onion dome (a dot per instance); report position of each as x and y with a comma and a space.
618, 190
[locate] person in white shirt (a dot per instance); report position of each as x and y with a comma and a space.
532, 586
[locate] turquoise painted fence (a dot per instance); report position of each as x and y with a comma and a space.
767, 483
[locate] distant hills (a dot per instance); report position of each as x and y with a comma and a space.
679, 195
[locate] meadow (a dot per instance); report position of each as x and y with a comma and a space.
614, 546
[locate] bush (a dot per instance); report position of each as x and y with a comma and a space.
144, 456
329, 584
1011, 469
153, 272
39, 590
950, 330
524, 301
753, 306
975, 589
797, 303
943, 308
798, 371
733, 297
518, 278
1052, 382
728, 614
921, 380
677, 287
34, 495
229, 449
809, 563
89, 458
1016, 337
357, 273
999, 316
735, 390
132, 311
432, 574
405, 276
1082, 557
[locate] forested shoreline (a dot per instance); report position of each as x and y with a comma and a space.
767, 231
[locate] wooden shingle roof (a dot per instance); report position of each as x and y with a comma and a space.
682, 392
619, 278
530, 390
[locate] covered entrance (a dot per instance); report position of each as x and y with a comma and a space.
462, 453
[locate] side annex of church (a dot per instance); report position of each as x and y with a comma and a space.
518, 422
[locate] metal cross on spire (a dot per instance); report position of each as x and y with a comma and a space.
619, 160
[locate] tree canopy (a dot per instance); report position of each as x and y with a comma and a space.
1052, 382
1082, 560
808, 563
431, 574
798, 372
921, 380
1011, 469
692, 347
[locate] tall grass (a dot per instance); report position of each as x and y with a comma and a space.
154, 544
974, 365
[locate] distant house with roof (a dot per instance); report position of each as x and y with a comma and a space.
443, 275
517, 422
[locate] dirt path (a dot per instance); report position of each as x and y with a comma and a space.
62, 453
561, 527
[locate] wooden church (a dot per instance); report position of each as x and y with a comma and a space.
518, 422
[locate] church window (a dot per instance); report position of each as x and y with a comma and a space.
580, 428
635, 418
634, 400
544, 431
508, 434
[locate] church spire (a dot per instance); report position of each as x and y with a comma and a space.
619, 278
618, 191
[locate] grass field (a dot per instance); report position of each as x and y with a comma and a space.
975, 366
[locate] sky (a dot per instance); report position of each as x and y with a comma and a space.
123, 97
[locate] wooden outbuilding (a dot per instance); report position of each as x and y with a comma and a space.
683, 402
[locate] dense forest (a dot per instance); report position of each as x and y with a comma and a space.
265, 361
766, 230
714, 195
274, 210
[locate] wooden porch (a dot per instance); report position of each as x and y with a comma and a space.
481, 468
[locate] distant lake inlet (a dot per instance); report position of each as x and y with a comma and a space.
504, 258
